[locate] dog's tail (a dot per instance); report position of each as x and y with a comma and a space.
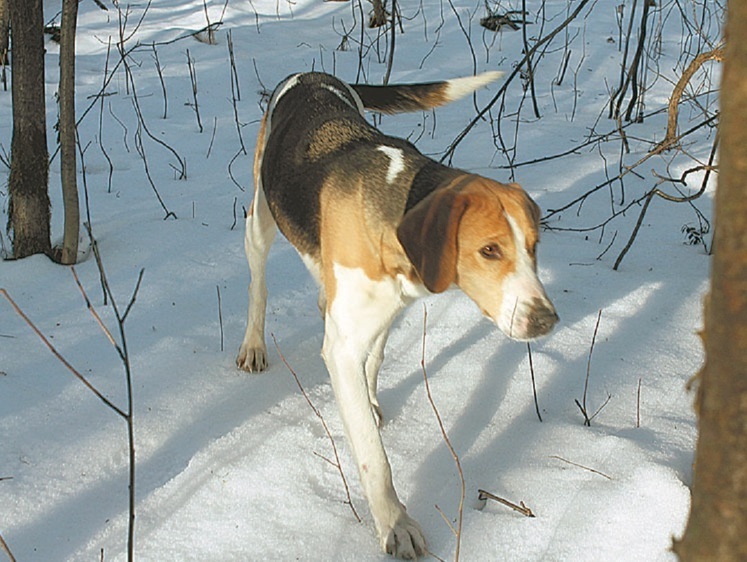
401, 98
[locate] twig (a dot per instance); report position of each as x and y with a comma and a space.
446, 520
193, 80
581, 466
393, 29
530, 67
660, 193
235, 93
679, 88
95, 314
182, 169
482, 495
241, 151
220, 317
60, 358
638, 405
121, 349
337, 464
6, 548
446, 440
129, 418
235, 203
631, 78
159, 71
649, 196
534, 386
501, 91
210, 27
212, 137
141, 152
101, 121
234, 73
582, 405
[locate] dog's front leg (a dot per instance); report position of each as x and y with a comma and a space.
373, 364
345, 352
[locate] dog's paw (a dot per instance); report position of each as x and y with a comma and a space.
252, 359
404, 539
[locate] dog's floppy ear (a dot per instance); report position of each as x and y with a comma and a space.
428, 234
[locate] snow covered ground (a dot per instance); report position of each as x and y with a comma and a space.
231, 466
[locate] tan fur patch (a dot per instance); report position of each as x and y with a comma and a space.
332, 135
353, 238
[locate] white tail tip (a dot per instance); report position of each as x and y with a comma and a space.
460, 87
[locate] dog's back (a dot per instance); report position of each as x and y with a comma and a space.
317, 138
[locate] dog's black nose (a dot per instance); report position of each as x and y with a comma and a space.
542, 319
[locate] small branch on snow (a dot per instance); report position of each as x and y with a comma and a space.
582, 405
483, 496
656, 191
517, 69
318, 414
193, 80
212, 137
581, 466
141, 152
445, 436
638, 405
235, 92
220, 316
159, 71
534, 385
6, 549
121, 348
59, 356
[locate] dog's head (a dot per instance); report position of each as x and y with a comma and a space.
482, 236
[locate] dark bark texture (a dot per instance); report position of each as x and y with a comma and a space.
29, 210
69, 253
4, 29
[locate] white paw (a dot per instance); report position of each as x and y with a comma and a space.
404, 539
252, 359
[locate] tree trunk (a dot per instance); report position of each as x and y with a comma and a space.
29, 213
69, 252
4, 29
717, 528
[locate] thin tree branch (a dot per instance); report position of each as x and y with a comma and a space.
446, 440
337, 464
61, 359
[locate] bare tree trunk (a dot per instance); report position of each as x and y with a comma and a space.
717, 528
69, 252
4, 29
29, 213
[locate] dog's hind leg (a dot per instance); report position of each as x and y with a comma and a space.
258, 237
260, 233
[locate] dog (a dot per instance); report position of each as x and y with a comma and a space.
378, 224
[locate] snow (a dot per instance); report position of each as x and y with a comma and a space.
230, 465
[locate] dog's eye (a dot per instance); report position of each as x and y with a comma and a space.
491, 252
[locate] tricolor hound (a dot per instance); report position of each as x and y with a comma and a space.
378, 225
